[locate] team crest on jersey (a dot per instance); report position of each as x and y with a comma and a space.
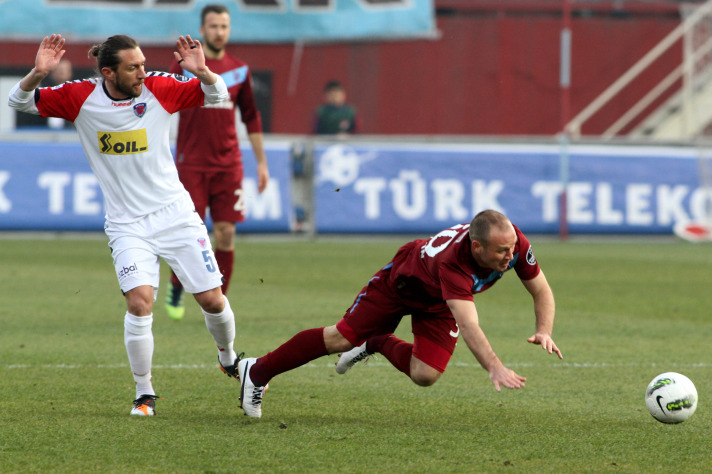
140, 109
202, 242
531, 260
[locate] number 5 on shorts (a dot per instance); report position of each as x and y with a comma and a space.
209, 264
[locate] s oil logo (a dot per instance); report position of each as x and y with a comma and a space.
123, 143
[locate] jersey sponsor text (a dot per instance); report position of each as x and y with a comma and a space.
123, 143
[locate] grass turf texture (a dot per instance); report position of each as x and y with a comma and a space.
626, 312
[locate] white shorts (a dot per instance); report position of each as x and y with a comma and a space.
175, 233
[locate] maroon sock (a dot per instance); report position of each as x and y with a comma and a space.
300, 349
397, 351
175, 281
226, 261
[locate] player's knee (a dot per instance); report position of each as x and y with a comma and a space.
139, 301
212, 301
335, 341
423, 375
423, 380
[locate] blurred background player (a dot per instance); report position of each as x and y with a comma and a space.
208, 154
335, 116
63, 73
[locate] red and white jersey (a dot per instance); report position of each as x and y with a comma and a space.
125, 141
207, 137
434, 270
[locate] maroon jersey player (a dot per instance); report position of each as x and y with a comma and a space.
208, 154
434, 281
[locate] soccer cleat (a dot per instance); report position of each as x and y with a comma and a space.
351, 358
174, 302
250, 394
231, 370
145, 405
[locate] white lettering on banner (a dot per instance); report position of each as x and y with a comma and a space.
410, 196
263, 206
371, 189
642, 204
549, 192
449, 194
670, 209
577, 200
5, 203
605, 213
418, 196
587, 204
485, 194
638, 204
85, 189
54, 183
86, 192
701, 204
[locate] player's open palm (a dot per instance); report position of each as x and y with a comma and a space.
501, 376
190, 54
49, 54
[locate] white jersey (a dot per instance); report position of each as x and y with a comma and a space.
125, 141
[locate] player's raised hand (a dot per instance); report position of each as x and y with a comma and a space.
49, 54
546, 342
191, 57
190, 54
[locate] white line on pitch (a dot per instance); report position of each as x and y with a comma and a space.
372, 363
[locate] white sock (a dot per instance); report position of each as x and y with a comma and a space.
138, 339
222, 328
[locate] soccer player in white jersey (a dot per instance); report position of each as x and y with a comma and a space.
122, 118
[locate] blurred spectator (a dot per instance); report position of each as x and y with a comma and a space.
335, 116
62, 74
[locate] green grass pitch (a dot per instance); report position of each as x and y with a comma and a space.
627, 310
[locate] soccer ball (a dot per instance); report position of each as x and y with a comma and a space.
671, 398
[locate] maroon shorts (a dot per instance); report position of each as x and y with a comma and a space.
221, 191
378, 310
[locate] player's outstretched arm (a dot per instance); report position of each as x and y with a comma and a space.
544, 309
48, 56
465, 314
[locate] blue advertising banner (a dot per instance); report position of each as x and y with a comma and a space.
266, 21
50, 186
425, 188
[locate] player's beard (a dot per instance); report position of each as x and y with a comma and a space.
215, 50
128, 88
